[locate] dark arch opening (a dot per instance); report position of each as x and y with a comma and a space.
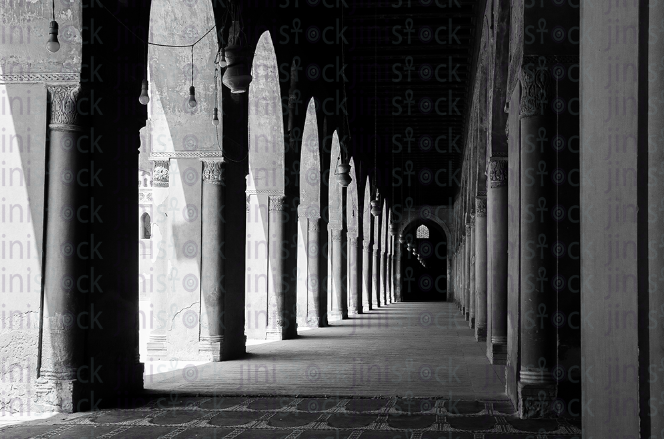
427, 281
146, 226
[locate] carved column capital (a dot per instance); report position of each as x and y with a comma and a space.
64, 111
480, 207
352, 241
535, 78
160, 173
336, 235
213, 171
277, 204
498, 172
366, 244
313, 225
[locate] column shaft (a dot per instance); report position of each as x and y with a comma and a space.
62, 343
375, 277
480, 269
354, 301
471, 276
156, 346
537, 341
278, 318
314, 315
212, 261
497, 259
366, 276
383, 278
336, 311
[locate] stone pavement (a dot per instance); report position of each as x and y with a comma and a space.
405, 371
423, 349
180, 417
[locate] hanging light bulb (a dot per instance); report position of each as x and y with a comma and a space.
402, 240
222, 61
192, 96
343, 173
215, 117
53, 45
409, 247
375, 205
144, 98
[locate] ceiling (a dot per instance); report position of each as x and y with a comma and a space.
425, 56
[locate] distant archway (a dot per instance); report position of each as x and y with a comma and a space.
146, 226
428, 281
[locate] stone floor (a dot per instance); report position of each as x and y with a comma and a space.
406, 371
211, 417
404, 349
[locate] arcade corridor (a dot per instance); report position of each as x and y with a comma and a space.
422, 349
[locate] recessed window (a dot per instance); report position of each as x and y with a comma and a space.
422, 232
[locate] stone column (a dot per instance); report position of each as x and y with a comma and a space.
375, 277
366, 275
212, 260
536, 386
354, 301
278, 317
497, 259
337, 309
383, 277
156, 346
63, 339
397, 275
480, 269
466, 267
314, 316
471, 274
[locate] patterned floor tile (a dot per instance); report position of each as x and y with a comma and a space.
226, 419
411, 422
347, 420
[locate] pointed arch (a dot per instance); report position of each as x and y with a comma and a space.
266, 126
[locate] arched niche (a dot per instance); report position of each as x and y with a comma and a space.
366, 214
265, 189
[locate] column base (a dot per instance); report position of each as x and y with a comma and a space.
497, 352
209, 347
480, 333
276, 334
375, 305
366, 309
537, 400
62, 396
352, 313
156, 347
335, 316
314, 321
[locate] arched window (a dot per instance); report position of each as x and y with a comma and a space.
422, 232
146, 226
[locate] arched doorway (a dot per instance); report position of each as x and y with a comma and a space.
424, 279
